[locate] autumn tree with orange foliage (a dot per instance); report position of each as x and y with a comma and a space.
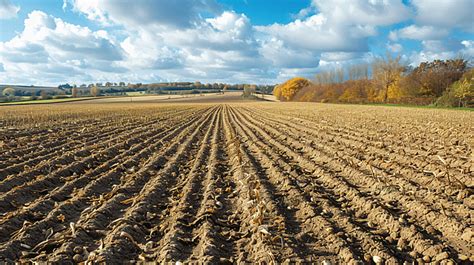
433, 78
391, 82
287, 90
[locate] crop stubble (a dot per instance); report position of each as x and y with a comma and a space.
237, 182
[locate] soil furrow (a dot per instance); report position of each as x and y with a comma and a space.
119, 165
303, 205
311, 229
235, 182
126, 237
174, 233
422, 241
71, 210
28, 169
214, 230
110, 208
426, 195
394, 152
262, 217
94, 157
56, 144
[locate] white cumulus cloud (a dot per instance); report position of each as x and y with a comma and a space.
445, 13
363, 12
8, 10
419, 33
164, 40
176, 13
47, 47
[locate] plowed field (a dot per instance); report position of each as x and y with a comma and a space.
236, 182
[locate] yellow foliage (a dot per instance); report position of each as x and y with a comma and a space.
464, 88
277, 92
288, 90
386, 73
394, 91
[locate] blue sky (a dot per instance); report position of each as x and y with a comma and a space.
50, 42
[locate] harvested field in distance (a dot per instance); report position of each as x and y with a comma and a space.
236, 182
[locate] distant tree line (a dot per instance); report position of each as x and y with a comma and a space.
387, 80
16, 93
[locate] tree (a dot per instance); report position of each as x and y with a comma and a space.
277, 91
74, 92
339, 75
65, 86
358, 71
328, 77
8, 92
386, 72
433, 78
464, 91
288, 90
390, 81
249, 90
43, 94
95, 91
355, 91
460, 93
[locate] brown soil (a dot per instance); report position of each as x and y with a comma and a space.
236, 182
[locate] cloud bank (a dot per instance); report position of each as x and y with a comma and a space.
161, 40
